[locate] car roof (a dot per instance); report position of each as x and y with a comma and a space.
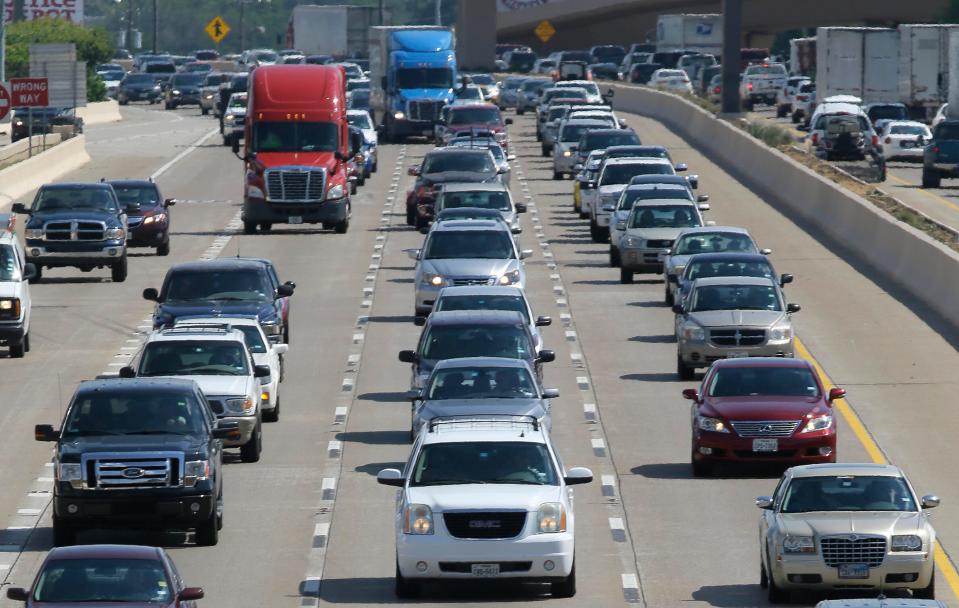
203, 319
471, 226
457, 150
219, 265
181, 332
568, 84
145, 385
481, 362
357, 112
479, 187
486, 428
839, 108
850, 469
476, 317
481, 290
908, 123
473, 106
105, 552
608, 131
586, 122
655, 202
78, 185
712, 229
659, 178
709, 281
655, 186
634, 148
779, 362
636, 160
141, 183
728, 256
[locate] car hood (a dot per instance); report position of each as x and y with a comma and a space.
737, 318
191, 444
222, 386
659, 234
169, 311
426, 94
457, 176
492, 497
764, 408
72, 214
10, 289
848, 522
469, 267
506, 407
611, 190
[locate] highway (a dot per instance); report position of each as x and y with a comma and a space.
308, 525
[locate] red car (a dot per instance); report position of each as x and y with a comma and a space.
98, 575
475, 117
762, 409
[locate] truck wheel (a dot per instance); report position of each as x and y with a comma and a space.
341, 227
249, 227
204, 110
64, 534
17, 350
265, 226
250, 451
410, 216
118, 272
614, 260
405, 588
625, 276
567, 586
930, 179
557, 175
274, 414
164, 248
208, 533
39, 275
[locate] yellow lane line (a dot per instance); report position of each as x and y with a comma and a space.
938, 198
943, 562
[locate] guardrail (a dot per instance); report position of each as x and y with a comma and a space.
20, 150
29, 174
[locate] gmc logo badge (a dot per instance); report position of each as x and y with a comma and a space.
484, 523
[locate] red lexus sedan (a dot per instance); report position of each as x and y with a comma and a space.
115, 575
760, 409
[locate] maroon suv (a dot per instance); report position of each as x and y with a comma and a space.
762, 409
148, 214
115, 575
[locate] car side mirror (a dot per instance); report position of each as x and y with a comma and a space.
791, 308
578, 475
703, 206
836, 393
785, 278
682, 167
508, 121
622, 123
261, 371
284, 291
525, 253
693, 181
589, 185
678, 309
151, 294
414, 395
702, 198
609, 207
191, 593
546, 356
407, 356
419, 321
610, 94
413, 171
520, 207
169, 203
510, 157
390, 477
17, 594
929, 501
127, 372
29, 271
764, 502
516, 230
20, 208
766, 251
45, 432
544, 321
413, 254
550, 393
691, 394
226, 429
281, 349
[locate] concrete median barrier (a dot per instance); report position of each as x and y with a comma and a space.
27, 175
100, 112
894, 251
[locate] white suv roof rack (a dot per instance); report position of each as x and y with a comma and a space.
477, 421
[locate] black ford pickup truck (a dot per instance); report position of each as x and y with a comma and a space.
78, 225
139, 453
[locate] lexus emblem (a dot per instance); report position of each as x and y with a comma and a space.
484, 523
133, 472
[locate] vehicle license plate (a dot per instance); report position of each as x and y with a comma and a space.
737, 354
485, 569
296, 219
765, 445
908, 144
853, 571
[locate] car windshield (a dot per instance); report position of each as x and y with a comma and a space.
574, 132
629, 197
482, 199
194, 357
136, 412
908, 130
9, 267
482, 79
735, 297
113, 75
766, 381
361, 121
360, 98
532, 85
556, 112
664, 216
766, 70
231, 285
92, 199
482, 383
465, 162
486, 116
484, 302
472, 93
237, 101
266, 56
103, 580
564, 93
600, 141
190, 80
888, 112
355, 84
295, 136
139, 79
424, 78
714, 242
947, 131
847, 493
354, 71
131, 196
703, 269
254, 339
469, 244
502, 462
457, 341
622, 173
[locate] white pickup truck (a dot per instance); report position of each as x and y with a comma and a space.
761, 83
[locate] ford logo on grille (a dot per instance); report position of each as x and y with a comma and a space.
133, 473
485, 523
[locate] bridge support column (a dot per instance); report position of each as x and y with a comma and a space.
732, 54
476, 34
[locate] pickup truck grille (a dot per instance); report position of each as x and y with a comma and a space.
424, 110
494, 524
765, 428
73, 231
737, 337
842, 549
295, 185
126, 471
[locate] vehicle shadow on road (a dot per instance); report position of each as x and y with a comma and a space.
375, 437
69, 280
647, 304
731, 596
379, 590
383, 397
373, 468
392, 319
683, 470
652, 377
597, 282
655, 339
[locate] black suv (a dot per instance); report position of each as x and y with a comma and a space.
138, 87
78, 225
148, 213
184, 89
139, 452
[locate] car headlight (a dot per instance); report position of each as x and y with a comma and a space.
194, 471
714, 425
156, 87
335, 191
114, 233
510, 278
69, 471
693, 333
241, 405
429, 278
818, 423
271, 328
783, 333
254, 192
18, 122
10, 308
906, 542
159, 217
632, 241
621, 225
551, 517
229, 118
418, 520
33, 233
678, 270
399, 115
209, 96
799, 544
567, 153
175, 92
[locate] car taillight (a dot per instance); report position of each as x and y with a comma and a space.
802, 97
716, 90
935, 150
888, 140
815, 138
875, 140
749, 86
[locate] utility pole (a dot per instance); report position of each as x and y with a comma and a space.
242, 30
732, 55
439, 12
3, 42
155, 29
18, 10
382, 14
129, 38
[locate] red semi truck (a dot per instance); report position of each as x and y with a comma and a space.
297, 148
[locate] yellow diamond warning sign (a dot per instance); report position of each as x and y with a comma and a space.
544, 31
217, 29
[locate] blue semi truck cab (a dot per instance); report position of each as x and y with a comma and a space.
413, 75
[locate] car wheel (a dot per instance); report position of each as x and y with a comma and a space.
167, 106
520, 111
207, 533
410, 216
123, 102
625, 276
795, 117
668, 298
118, 272
931, 178
266, 226
204, 111
929, 591
583, 215
763, 579
249, 227
557, 175
701, 469
776, 594
614, 260
567, 586
274, 414
227, 141
780, 112
26, 342
39, 275
250, 451
163, 249
405, 588
544, 151
684, 371
419, 223
64, 534
341, 227
376, 165
594, 233
17, 350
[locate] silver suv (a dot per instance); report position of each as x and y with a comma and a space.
650, 230
732, 317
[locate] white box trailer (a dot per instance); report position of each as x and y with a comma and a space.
802, 56
693, 32
340, 31
924, 67
858, 61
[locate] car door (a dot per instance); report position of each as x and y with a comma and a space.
25, 301
767, 523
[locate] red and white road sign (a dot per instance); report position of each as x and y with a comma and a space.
29, 92
4, 102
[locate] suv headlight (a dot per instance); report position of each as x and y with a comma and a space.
906, 542
678, 270
33, 233
271, 328
10, 308
241, 406
694, 333
229, 118
509, 278
799, 544
818, 423
70, 471
418, 520
632, 242
713, 425
428, 278
194, 471
114, 233
335, 191
159, 217
783, 333
551, 517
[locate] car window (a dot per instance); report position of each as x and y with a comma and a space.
469, 244
242, 284
254, 339
482, 302
9, 265
766, 381
482, 383
454, 342
482, 78
482, 199
574, 132
847, 493
503, 462
119, 412
699, 269
735, 297
194, 358
622, 173
714, 242
629, 197
486, 116
466, 162
907, 130
92, 199
664, 216
102, 580
147, 196
947, 131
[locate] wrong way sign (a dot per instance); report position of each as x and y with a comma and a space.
29, 92
4, 101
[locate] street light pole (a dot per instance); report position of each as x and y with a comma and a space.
242, 30
732, 55
129, 39
155, 27
439, 12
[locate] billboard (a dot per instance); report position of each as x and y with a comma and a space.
33, 9
517, 5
